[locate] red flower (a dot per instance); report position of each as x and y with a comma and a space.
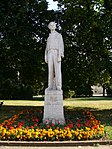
52, 125
48, 126
87, 124
66, 127
40, 111
21, 123
78, 125
79, 120
33, 120
36, 120
32, 127
58, 122
95, 127
27, 127
11, 127
35, 125
71, 125
19, 126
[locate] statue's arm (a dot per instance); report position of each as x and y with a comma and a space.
61, 48
46, 53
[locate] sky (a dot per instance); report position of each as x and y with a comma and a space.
52, 5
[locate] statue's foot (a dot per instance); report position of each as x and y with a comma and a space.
59, 88
49, 88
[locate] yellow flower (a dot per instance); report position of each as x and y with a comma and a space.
80, 135
18, 136
87, 129
69, 135
72, 131
56, 131
4, 132
79, 138
44, 138
76, 133
3, 137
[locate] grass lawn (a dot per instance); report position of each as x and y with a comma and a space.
101, 107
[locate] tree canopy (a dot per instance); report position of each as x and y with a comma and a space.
87, 33
87, 29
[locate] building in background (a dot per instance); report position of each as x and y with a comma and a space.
98, 90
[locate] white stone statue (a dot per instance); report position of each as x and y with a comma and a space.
53, 53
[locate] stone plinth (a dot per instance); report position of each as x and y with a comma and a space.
53, 107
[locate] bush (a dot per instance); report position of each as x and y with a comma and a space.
12, 90
109, 91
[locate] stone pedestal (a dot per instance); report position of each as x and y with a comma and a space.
53, 107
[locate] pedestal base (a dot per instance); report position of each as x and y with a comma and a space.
53, 107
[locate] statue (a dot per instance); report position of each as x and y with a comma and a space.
53, 53
53, 103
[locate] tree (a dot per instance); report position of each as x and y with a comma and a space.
86, 29
23, 36
86, 51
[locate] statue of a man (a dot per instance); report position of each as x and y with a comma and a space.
53, 53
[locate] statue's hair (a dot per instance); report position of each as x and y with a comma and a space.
50, 24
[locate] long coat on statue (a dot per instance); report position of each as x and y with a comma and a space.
53, 53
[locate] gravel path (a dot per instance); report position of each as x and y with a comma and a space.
79, 147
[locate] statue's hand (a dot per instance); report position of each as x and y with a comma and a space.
62, 56
59, 59
46, 60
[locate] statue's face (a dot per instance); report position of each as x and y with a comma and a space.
52, 26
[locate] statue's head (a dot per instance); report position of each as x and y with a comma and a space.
52, 25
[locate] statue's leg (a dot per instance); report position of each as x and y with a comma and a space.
50, 70
58, 76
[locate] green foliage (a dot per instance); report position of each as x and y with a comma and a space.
108, 130
23, 37
86, 29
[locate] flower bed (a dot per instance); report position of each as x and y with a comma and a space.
27, 126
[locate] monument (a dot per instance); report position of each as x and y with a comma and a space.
53, 102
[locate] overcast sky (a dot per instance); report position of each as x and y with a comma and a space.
52, 5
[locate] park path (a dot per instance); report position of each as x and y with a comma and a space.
79, 147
